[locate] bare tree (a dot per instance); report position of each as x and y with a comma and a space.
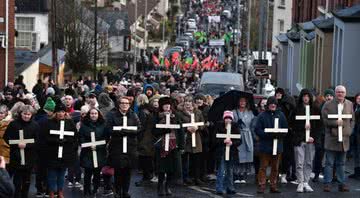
75, 33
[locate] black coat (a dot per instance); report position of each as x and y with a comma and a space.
146, 138
172, 162
69, 143
220, 145
31, 130
117, 158
299, 126
86, 156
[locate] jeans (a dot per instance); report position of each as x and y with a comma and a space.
336, 158
319, 155
56, 179
304, 155
224, 176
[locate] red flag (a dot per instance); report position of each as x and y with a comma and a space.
195, 63
155, 60
175, 56
207, 59
167, 63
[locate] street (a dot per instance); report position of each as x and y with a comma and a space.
243, 190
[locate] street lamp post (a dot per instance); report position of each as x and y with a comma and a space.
95, 38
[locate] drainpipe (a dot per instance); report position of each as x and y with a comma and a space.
7, 42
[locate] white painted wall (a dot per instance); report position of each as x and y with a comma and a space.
280, 14
31, 74
41, 25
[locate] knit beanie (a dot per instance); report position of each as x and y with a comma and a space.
49, 105
329, 92
228, 114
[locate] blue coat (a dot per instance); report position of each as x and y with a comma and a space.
266, 120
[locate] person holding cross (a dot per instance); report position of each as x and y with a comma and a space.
306, 134
226, 153
62, 146
92, 123
123, 125
193, 143
22, 136
338, 120
267, 120
169, 145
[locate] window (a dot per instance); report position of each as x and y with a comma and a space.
25, 23
25, 27
281, 25
282, 3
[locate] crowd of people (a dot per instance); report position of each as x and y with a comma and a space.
141, 125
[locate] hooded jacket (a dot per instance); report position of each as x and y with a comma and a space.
149, 86
266, 120
299, 125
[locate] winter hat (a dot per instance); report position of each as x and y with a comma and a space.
155, 97
50, 91
156, 87
228, 114
280, 90
272, 100
49, 105
164, 101
329, 92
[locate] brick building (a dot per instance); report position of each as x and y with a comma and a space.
311, 9
9, 53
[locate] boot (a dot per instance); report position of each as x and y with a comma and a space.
161, 189
274, 189
343, 188
51, 195
356, 174
261, 189
327, 188
60, 194
167, 189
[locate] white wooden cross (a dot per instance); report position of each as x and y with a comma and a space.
167, 125
307, 117
340, 116
21, 140
126, 127
276, 129
229, 136
93, 145
193, 123
61, 134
